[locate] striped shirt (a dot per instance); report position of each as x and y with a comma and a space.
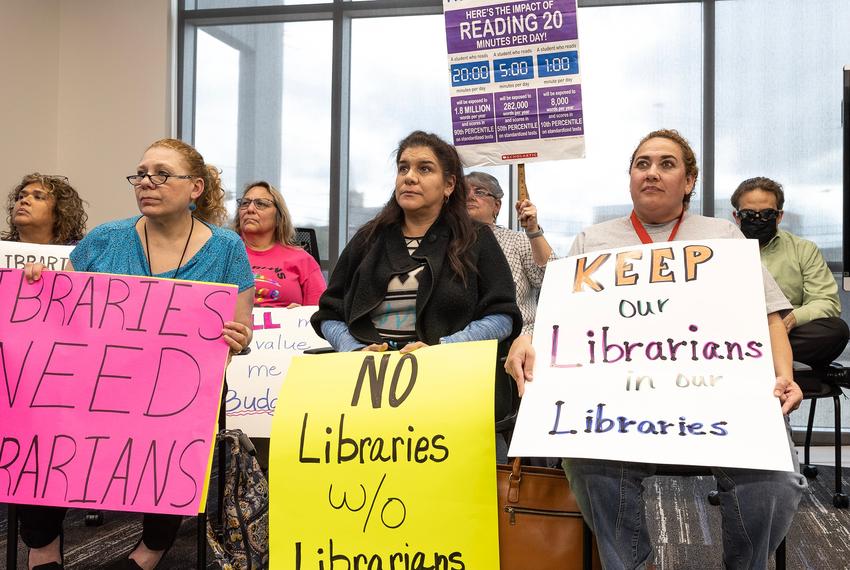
395, 317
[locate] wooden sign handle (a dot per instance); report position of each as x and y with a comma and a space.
523, 189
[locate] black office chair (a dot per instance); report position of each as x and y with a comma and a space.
819, 383
306, 238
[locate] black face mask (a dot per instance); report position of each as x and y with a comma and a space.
762, 230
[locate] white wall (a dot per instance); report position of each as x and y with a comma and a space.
103, 73
29, 68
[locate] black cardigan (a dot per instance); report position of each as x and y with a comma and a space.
443, 304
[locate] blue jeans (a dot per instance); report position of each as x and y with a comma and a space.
756, 507
501, 449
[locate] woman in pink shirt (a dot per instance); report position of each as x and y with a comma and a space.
284, 274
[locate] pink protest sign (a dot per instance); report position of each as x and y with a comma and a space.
109, 389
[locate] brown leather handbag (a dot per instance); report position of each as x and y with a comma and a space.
540, 525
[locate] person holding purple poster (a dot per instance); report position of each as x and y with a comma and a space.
177, 236
527, 253
757, 507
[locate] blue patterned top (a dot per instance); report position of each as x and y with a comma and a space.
115, 247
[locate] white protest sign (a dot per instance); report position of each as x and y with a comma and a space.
14, 255
254, 380
515, 82
657, 353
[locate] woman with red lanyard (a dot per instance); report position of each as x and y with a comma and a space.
663, 172
757, 507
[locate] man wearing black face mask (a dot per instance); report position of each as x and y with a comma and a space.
816, 331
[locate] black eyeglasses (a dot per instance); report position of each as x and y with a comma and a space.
156, 179
481, 193
259, 203
768, 214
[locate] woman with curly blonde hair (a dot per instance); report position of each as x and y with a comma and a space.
209, 205
45, 209
176, 236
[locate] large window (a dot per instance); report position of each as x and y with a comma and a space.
217, 104
649, 81
779, 77
381, 56
378, 120
262, 111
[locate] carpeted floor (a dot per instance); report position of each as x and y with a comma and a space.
686, 530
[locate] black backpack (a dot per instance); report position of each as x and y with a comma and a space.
243, 543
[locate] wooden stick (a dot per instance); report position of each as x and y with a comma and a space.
523, 189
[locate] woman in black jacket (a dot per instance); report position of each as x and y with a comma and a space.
421, 272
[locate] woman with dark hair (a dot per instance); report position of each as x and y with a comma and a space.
284, 274
45, 209
421, 272
180, 200
756, 506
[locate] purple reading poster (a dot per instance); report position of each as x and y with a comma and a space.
515, 81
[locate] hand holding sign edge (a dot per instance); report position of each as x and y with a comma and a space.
520, 362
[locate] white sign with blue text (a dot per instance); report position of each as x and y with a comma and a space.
655, 353
254, 380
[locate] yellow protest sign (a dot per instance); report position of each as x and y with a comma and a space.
385, 461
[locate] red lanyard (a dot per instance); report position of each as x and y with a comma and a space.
641, 231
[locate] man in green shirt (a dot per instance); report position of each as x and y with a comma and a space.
815, 328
